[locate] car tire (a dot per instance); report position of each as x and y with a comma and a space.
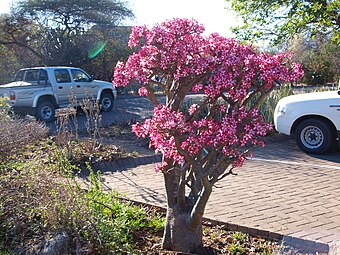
45, 111
106, 102
314, 136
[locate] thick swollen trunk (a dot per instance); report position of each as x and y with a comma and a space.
183, 229
179, 235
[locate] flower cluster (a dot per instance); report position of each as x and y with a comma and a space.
142, 91
161, 129
177, 51
227, 135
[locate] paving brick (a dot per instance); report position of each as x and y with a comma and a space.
279, 197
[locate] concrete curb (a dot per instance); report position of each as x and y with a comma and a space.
124, 163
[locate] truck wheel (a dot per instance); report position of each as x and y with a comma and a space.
314, 136
45, 111
106, 102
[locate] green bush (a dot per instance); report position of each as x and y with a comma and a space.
267, 107
40, 197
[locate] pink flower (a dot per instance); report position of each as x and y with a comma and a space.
197, 88
143, 91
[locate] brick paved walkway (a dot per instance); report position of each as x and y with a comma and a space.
282, 191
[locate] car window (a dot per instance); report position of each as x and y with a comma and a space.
19, 76
62, 76
43, 78
31, 76
79, 76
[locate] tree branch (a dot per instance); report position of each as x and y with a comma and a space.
181, 187
199, 207
42, 58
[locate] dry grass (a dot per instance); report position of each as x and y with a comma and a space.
15, 133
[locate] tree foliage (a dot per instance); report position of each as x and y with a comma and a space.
75, 15
319, 57
281, 20
202, 145
104, 48
60, 32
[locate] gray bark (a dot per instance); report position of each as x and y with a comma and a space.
178, 236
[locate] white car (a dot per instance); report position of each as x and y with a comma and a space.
313, 119
40, 90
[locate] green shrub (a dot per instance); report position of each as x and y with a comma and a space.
267, 107
40, 197
5, 253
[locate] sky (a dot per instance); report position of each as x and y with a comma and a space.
212, 14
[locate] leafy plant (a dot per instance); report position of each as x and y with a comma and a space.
236, 249
267, 107
281, 20
5, 253
239, 236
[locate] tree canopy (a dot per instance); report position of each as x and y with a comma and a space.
280, 20
319, 58
60, 32
75, 14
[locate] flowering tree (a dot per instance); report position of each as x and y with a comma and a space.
202, 145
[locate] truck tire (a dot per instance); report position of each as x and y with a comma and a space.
106, 102
45, 111
314, 136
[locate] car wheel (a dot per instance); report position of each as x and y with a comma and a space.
45, 111
106, 102
314, 136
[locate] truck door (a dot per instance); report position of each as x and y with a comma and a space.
64, 87
85, 88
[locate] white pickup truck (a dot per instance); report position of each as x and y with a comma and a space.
312, 118
40, 90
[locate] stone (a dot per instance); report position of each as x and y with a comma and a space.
56, 245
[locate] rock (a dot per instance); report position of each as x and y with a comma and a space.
55, 246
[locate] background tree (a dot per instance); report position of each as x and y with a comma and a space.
202, 145
57, 32
319, 57
104, 48
281, 20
